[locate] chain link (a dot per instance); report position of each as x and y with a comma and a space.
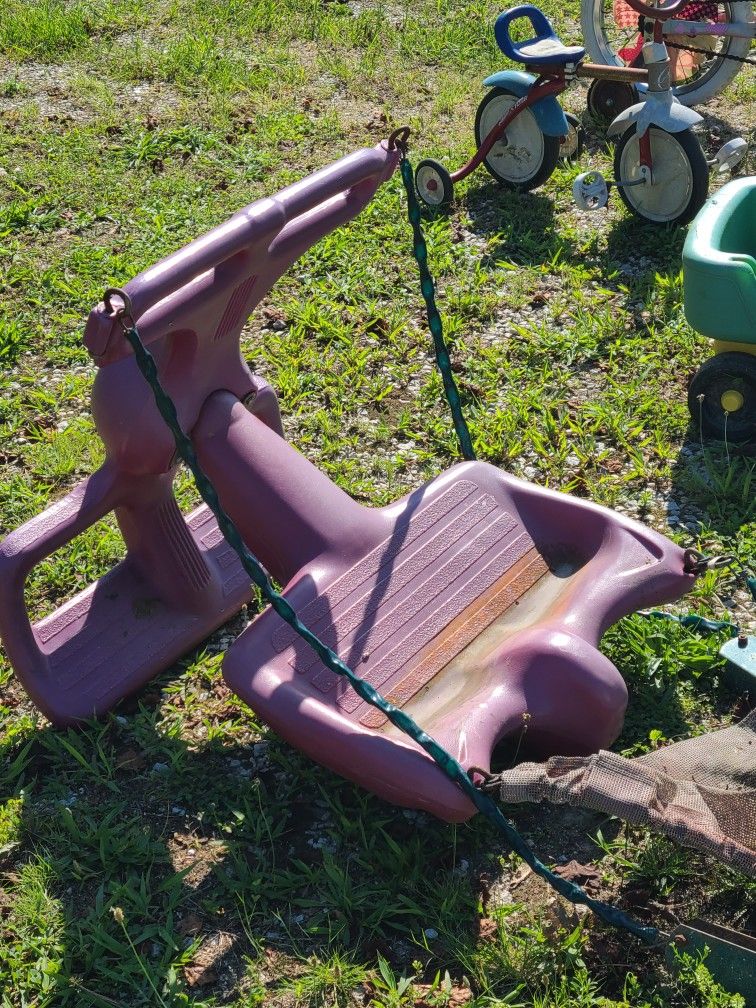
709, 53
420, 252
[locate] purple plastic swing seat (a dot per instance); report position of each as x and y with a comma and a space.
476, 603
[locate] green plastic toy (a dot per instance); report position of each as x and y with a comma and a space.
719, 277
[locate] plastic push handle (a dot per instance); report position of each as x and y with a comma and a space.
28, 545
251, 232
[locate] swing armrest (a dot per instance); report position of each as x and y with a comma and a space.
48, 531
33, 542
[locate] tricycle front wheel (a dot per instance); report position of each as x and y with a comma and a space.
680, 176
524, 157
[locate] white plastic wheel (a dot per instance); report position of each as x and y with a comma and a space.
433, 183
680, 176
610, 32
731, 155
524, 157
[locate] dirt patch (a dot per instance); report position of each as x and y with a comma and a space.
64, 93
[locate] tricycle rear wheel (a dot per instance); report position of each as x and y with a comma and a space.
606, 99
433, 183
524, 158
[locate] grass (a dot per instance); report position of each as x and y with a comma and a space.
177, 853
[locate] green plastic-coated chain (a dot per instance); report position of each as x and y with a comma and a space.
420, 252
692, 621
259, 576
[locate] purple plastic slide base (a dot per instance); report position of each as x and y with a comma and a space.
116, 635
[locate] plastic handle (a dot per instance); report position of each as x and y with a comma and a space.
256, 226
538, 20
663, 13
28, 545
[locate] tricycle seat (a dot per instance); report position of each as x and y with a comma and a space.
547, 50
719, 265
544, 49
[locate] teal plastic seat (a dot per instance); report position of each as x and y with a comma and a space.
719, 265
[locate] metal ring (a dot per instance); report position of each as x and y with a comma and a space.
716, 563
108, 296
399, 138
694, 562
479, 771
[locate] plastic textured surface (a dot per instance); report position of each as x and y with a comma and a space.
475, 604
178, 581
719, 265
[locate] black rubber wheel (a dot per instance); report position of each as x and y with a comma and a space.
571, 147
524, 158
722, 397
606, 99
433, 183
680, 176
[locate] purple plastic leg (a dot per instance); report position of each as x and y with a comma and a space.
179, 580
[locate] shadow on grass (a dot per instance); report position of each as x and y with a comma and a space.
152, 860
525, 229
654, 247
174, 864
176, 851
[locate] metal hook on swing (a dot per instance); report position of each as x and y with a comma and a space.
694, 562
122, 313
399, 139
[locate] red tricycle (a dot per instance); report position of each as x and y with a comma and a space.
660, 169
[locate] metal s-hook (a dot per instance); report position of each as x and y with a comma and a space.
399, 139
123, 313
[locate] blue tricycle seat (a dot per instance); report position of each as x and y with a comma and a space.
544, 49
